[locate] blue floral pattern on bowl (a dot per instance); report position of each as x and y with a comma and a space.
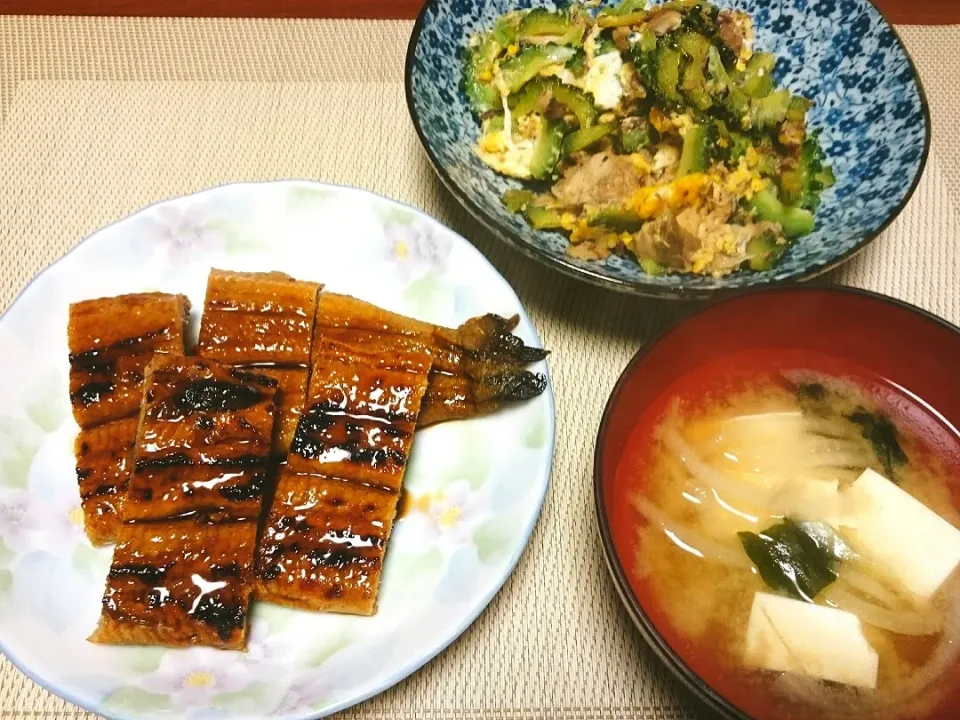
840, 53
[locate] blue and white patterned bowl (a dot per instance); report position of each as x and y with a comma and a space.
840, 53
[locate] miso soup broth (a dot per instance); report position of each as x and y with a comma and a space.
795, 530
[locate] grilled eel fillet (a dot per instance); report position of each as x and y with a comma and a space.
182, 570
477, 368
326, 533
263, 321
111, 340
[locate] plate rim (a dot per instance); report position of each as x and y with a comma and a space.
598, 279
527, 531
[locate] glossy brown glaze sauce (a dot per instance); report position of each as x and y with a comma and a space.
327, 530
182, 573
324, 543
111, 340
263, 323
179, 582
341, 382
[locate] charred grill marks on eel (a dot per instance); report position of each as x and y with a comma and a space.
182, 571
262, 323
337, 385
111, 340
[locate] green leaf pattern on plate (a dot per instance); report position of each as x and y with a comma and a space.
475, 460
134, 701
308, 198
142, 659
237, 237
248, 701
49, 405
327, 648
536, 435
19, 441
390, 214
90, 561
6, 555
494, 538
405, 575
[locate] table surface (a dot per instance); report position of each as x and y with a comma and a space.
924, 12
101, 116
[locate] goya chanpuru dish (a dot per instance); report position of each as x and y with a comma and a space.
798, 541
656, 132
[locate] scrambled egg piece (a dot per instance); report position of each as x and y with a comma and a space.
722, 243
642, 163
602, 80
745, 180
666, 156
561, 72
510, 153
604, 239
746, 27
648, 202
660, 122
590, 43
682, 122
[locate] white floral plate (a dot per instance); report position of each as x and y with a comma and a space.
476, 486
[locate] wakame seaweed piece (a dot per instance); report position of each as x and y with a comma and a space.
811, 392
789, 560
828, 540
882, 436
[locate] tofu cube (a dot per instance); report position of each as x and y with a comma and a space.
890, 527
787, 635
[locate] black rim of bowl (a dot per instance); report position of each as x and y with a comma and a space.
701, 690
599, 279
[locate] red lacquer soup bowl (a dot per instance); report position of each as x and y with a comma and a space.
830, 329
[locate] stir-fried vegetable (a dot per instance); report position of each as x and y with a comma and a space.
663, 134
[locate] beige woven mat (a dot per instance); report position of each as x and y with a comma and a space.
99, 117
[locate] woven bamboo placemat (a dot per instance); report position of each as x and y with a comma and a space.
99, 117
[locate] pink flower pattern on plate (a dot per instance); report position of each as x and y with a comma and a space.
416, 249
185, 231
191, 678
